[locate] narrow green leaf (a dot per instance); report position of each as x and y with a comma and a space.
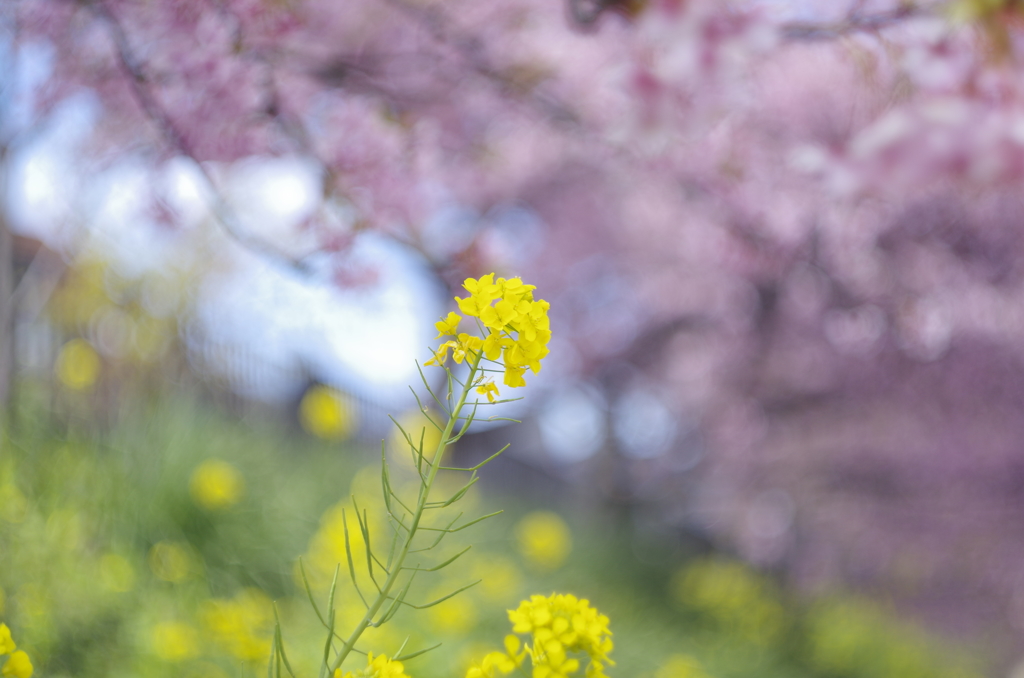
309, 590
444, 598
441, 532
385, 486
401, 648
420, 459
399, 599
391, 550
351, 564
401, 503
364, 527
450, 395
416, 452
272, 661
279, 640
328, 644
465, 427
444, 564
450, 560
476, 520
481, 464
334, 587
455, 497
426, 385
417, 653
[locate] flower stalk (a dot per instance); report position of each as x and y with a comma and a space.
512, 337
421, 505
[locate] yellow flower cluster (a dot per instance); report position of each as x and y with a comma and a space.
376, 667
515, 324
18, 664
504, 662
560, 624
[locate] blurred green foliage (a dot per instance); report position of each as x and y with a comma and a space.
160, 546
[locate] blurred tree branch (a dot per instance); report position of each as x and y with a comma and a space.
855, 22
138, 80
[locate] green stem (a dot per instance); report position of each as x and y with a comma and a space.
396, 568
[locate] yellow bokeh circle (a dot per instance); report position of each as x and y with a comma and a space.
216, 485
543, 539
324, 413
78, 365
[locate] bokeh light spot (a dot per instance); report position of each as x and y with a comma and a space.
78, 365
216, 485
171, 561
543, 539
174, 641
324, 413
116, 573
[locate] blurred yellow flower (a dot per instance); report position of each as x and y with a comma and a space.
7, 645
216, 484
116, 573
737, 597
78, 365
376, 667
172, 561
681, 666
501, 662
455, 616
18, 666
241, 625
543, 539
324, 413
501, 579
174, 641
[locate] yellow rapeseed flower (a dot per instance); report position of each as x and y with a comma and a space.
563, 630
216, 485
514, 326
500, 663
561, 624
18, 666
488, 388
376, 667
7, 645
449, 325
